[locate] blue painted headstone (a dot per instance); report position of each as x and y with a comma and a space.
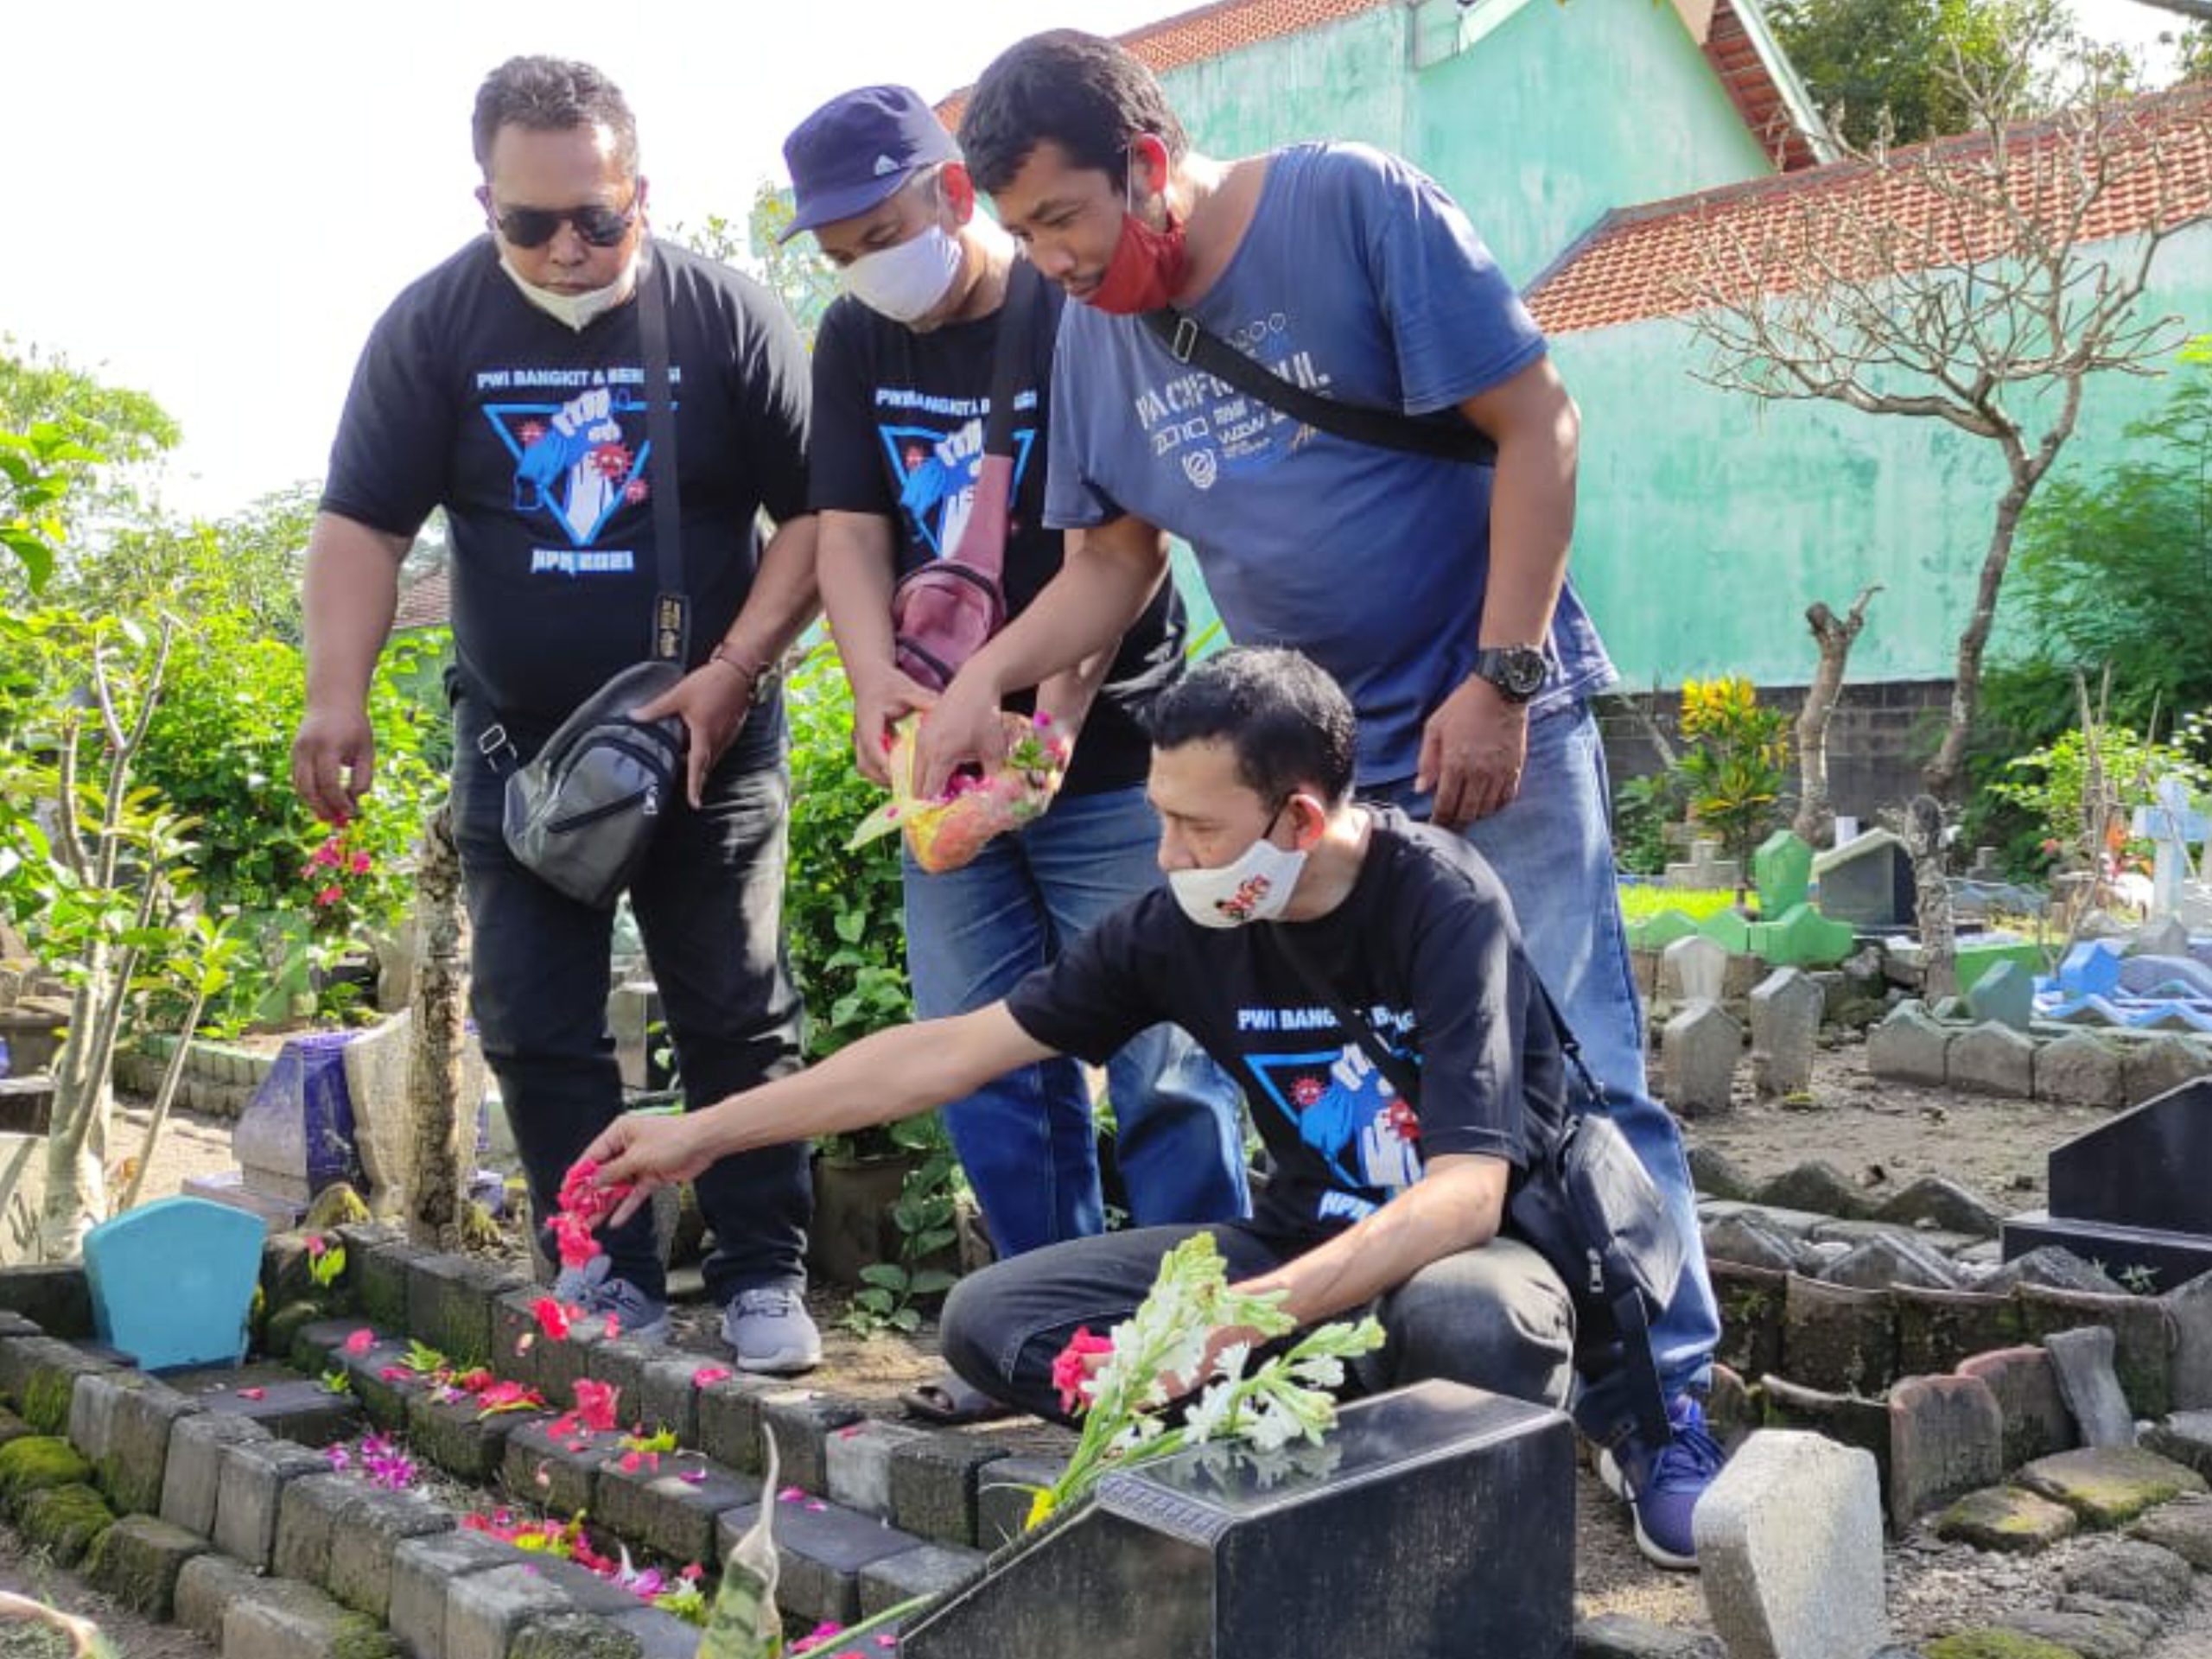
2091, 969
296, 1134
172, 1281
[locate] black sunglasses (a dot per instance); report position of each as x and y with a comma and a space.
533, 227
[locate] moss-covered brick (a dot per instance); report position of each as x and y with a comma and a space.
361, 1551
320, 1344
65, 1520
559, 1364
192, 1478
137, 1559
2008, 1518
378, 1279
39, 1374
287, 1273
383, 1396
620, 1364
934, 1482
206, 1587
449, 1299
2107, 1485
574, 1636
251, 1479
56, 1297
560, 1472
1005, 1492
132, 1468
669, 1396
423, 1573
1993, 1644
458, 1437
1837, 1339
309, 1513
282, 1618
670, 1509
280, 1332
802, 1420
2142, 1330
35, 1463
1751, 1303
729, 1420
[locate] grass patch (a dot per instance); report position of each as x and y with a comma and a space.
1640, 904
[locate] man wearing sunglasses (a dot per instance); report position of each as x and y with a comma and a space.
509, 388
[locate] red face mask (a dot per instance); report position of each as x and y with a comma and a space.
1146, 268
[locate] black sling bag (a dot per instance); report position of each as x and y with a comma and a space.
1584, 1204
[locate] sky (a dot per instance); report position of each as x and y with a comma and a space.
215, 202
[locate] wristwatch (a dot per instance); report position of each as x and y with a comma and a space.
1517, 671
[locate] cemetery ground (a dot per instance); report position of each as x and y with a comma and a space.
1881, 1135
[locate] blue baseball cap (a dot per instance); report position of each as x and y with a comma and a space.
856, 149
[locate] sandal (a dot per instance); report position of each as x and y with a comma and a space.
950, 1402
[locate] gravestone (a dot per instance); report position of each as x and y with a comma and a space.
378, 1066
1785, 1027
1801, 937
2091, 969
1706, 871
1783, 868
2171, 825
1867, 883
1694, 971
2005, 996
642, 1045
295, 1136
1789, 1548
1698, 1052
2165, 936
1985, 866
1435, 1519
172, 1281
2132, 1192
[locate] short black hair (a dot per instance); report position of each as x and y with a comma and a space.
552, 95
1289, 725
1088, 95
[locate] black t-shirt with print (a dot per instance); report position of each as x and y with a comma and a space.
1425, 946
898, 433
533, 437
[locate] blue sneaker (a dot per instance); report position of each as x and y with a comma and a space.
593, 1290
1661, 1492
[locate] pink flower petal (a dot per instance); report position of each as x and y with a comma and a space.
707, 1375
253, 1393
694, 1476
361, 1341
791, 1495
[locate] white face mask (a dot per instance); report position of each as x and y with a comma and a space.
1254, 888
576, 309
907, 282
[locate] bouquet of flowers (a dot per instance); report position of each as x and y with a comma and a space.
946, 833
1123, 1383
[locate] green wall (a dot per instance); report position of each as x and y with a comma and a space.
1544, 117
1707, 521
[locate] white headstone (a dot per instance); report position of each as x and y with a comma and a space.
1693, 969
1698, 1052
1786, 1007
1789, 1549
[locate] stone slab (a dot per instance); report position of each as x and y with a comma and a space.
191, 1478
858, 1460
2026, 1383
935, 1483
1004, 1493
559, 1471
456, 1436
284, 1619
802, 1420
205, 1586
821, 1548
361, 1553
138, 1561
930, 1570
2081, 1360
485, 1612
1790, 1545
251, 1479
574, 1636
1839, 1339
2110, 1485
449, 1299
2007, 1518
308, 1516
1947, 1437
673, 1509
423, 1572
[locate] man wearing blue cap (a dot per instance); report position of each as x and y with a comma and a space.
904, 366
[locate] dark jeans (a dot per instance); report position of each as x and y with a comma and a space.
709, 905
1496, 1318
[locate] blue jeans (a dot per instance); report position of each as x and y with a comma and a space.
1553, 848
1026, 1139
710, 904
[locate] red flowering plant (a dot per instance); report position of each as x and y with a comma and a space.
342, 879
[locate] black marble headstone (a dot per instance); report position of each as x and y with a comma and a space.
2133, 1191
1436, 1520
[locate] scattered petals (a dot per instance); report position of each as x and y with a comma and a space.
707, 1375
595, 1403
554, 1318
791, 1495
360, 1342
253, 1393
693, 1476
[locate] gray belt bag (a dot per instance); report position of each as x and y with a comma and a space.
583, 815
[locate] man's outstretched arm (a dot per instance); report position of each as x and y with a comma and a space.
347, 598
893, 1074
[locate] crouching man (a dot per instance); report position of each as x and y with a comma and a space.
1284, 898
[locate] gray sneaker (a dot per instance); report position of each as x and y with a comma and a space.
771, 1331
597, 1292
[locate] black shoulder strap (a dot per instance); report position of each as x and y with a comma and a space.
1402, 1076
1012, 347
671, 640
1450, 438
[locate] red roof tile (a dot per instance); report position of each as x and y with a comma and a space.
1641, 262
426, 603
1231, 25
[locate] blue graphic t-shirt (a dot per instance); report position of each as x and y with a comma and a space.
1424, 947
898, 433
534, 438
1359, 279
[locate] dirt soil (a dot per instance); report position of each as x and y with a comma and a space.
1884, 1135
27, 1572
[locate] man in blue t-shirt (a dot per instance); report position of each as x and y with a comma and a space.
1434, 590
